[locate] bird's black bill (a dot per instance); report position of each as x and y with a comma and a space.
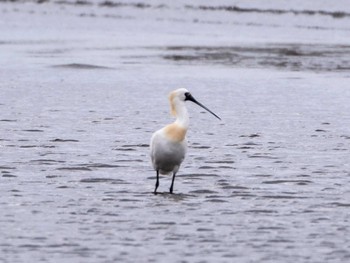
190, 98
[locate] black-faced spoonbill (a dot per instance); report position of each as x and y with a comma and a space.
169, 144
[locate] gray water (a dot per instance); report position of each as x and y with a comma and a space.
84, 86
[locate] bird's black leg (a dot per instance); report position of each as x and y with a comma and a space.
172, 183
157, 183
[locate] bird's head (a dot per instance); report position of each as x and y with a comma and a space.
182, 95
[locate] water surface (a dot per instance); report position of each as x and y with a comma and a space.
83, 87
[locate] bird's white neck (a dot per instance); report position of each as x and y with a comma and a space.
182, 117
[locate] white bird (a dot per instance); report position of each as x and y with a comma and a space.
168, 145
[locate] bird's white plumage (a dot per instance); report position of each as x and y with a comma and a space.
166, 154
169, 145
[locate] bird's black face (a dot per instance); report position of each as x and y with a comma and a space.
189, 97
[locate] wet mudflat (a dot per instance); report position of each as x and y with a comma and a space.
83, 87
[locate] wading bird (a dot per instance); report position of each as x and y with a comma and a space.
169, 144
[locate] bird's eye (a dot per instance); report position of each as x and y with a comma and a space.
187, 94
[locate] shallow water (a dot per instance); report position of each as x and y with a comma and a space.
79, 102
